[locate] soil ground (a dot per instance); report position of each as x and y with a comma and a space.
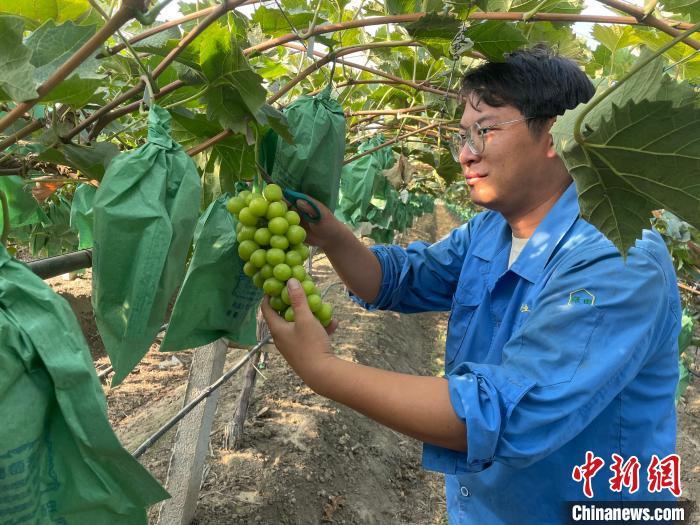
304, 459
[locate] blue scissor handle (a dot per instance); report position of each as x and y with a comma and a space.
293, 196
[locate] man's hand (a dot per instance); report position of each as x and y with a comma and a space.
323, 232
304, 343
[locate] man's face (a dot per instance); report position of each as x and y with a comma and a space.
511, 173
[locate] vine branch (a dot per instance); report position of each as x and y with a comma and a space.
124, 14
390, 142
647, 18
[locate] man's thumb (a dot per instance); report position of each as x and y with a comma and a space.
297, 297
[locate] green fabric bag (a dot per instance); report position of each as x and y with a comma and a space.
217, 299
145, 213
24, 209
60, 461
311, 165
81, 214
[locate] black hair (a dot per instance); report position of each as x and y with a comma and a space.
536, 81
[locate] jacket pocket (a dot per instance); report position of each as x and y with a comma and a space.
461, 317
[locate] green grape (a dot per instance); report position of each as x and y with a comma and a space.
325, 314
235, 204
258, 280
315, 302
258, 207
246, 196
258, 258
249, 269
279, 241
292, 218
247, 218
262, 236
278, 225
272, 193
289, 314
299, 273
293, 258
276, 209
296, 234
246, 249
303, 250
308, 286
275, 256
282, 272
272, 286
247, 233
278, 304
239, 225
284, 295
266, 271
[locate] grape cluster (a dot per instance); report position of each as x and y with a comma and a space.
271, 242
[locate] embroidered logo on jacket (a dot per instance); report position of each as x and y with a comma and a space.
581, 296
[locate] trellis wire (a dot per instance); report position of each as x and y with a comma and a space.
192, 404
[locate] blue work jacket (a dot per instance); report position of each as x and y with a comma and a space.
572, 349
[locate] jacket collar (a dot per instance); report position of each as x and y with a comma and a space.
541, 245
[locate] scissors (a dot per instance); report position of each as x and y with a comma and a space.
292, 196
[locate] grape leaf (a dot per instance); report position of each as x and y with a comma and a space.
401, 7
435, 32
92, 161
615, 37
16, 71
39, 11
639, 157
274, 23
494, 39
683, 7
236, 92
51, 46
522, 6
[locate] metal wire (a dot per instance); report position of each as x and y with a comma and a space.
203, 395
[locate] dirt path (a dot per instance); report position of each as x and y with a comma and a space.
308, 460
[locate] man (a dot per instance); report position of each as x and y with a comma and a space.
556, 345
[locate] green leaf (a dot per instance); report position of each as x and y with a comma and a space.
40, 11
51, 46
92, 161
523, 6
435, 32
274, 23
401, 7
615, 37
494, 39
16, 71
640, 157
269, 116
236, 93
683, 7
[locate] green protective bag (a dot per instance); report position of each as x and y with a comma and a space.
360, 179
217, 299
311, 165
145, 213
81, 214
60, 461
23, 208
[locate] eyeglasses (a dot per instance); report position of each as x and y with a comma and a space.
475, 137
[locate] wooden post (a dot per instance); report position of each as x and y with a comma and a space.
192, 438
234, 430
